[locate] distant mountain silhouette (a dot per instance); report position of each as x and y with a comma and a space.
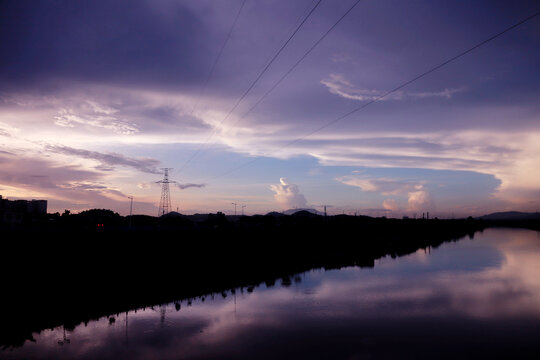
171, 214
274, 213
305, 213
309, 210
511, 215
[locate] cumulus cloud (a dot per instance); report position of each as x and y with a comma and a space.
142, 164
418, 196
337, 84
288, 195
189, 185
420, 199
390, 204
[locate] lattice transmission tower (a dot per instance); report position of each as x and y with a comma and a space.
165, 202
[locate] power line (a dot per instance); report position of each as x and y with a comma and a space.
275, 85
254, 82
397, 88
203, 90
211, 72
435, 68
301, 59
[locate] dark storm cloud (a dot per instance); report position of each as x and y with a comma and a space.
124, 41
111, 159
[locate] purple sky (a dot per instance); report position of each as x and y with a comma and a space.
97, 96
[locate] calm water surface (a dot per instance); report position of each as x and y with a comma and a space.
470, 299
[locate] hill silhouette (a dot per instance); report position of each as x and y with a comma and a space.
294, 211
511, 215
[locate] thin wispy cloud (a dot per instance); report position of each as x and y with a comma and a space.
446, 93
68, 118
111, 159
337, 84
93, 187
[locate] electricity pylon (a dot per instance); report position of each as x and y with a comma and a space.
165, 202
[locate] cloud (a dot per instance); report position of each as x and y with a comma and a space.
288, 195
2, 152
64, 186
99, 108
446, 93
384, 186
161, 52
145, 164
144, 185
189, 185
101, 119
420, 199
97, 83
337, 84
7, 130
390, 204
93, 187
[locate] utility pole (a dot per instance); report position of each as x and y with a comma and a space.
234, 208
243, 206
127, 328
130, 209
324, 208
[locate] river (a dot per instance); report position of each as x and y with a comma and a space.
474, 298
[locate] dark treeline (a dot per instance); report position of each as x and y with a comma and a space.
67, 269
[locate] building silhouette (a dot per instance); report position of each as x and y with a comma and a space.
16, 211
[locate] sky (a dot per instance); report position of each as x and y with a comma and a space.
246, 104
